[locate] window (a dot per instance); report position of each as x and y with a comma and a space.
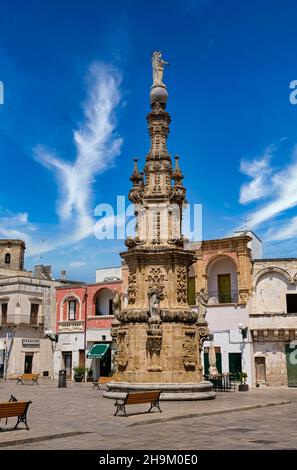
7, 258
291, 303
224, 288
34, 314
3, 314
72, 309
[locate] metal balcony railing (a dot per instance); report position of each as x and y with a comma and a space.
22, 319
217, 297
71, 325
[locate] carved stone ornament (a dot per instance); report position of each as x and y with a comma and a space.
154, 345
181, 284
122, 350
132, 288
154, 338
189, 351
185, 316
203, 332
156, 279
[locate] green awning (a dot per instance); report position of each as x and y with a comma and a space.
97, 351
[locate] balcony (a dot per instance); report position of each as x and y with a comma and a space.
71, 326
22, 320
216, 297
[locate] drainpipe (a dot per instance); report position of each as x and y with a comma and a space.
85, 328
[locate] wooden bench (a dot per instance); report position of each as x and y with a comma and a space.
33, 377
101, 381
136, 398
15, 408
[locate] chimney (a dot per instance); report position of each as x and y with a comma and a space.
38, 270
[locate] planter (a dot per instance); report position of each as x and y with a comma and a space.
78, 378
243, 388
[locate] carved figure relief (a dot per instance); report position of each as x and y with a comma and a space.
132, 288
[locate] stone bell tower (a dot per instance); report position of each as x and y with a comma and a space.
159, 337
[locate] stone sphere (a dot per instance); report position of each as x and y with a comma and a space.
158, 93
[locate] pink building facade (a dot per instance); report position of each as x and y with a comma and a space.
83, 318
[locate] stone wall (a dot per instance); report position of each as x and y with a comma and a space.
275, 361
12, 250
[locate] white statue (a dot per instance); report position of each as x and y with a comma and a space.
158, 68
202, 304
154, 302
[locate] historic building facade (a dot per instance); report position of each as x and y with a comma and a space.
223, 273
27, 309
273, 321
84, 316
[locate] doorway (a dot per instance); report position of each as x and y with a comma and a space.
67, 360
224, 288
260, 369
235, 363
105, 364
28, 363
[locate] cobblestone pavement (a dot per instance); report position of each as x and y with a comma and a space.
77, 417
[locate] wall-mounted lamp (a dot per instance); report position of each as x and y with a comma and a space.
52, 336
210, 337
243, 330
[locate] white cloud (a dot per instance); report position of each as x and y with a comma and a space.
77, 264
259, 170
281, 195
285, 232
97, 146
16, 226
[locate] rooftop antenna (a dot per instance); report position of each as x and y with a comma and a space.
245, 226
41, 257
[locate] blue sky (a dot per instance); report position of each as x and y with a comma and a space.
76, 78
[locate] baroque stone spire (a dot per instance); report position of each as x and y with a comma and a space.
158, 336
157, 192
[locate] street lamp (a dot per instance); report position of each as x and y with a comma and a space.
243, 330
54, 337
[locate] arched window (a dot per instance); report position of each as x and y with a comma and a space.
103, 302
222, 281
72, 309
7, 258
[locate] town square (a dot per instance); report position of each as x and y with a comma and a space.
148, 274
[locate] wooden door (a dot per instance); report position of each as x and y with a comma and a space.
81, 359
260, 369
224, 288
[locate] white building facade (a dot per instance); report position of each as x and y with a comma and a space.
273, 321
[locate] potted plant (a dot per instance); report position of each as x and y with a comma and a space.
79, 373
243, 386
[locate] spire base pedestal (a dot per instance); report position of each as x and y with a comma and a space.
170, 391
